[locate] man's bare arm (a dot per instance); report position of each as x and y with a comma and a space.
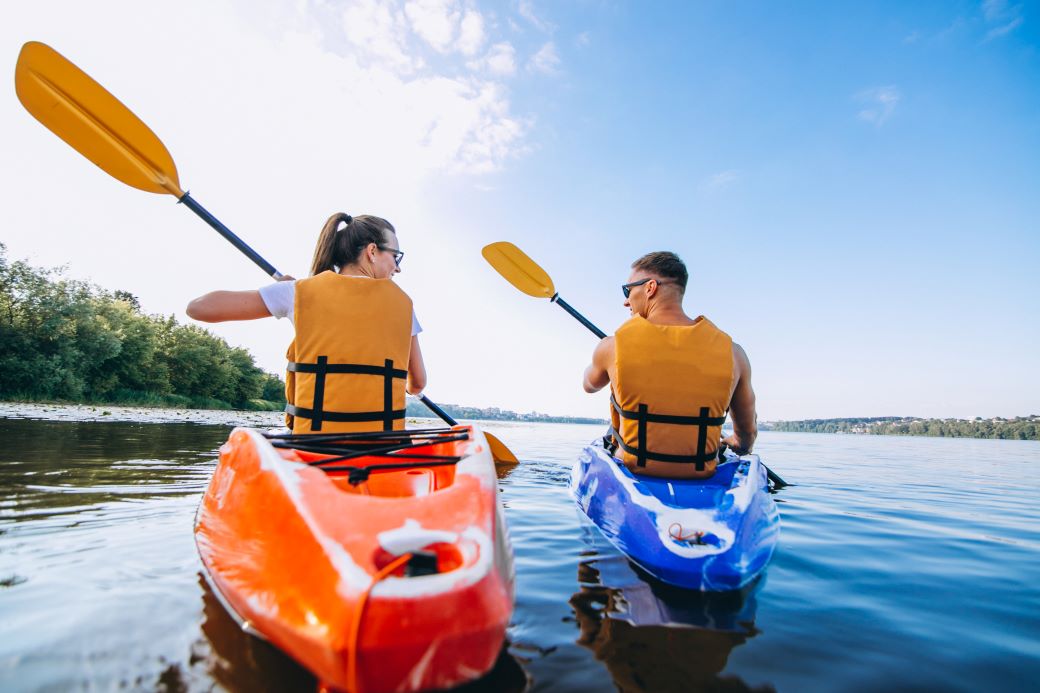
597, 375
742, 406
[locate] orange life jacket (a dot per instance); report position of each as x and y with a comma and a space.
670, 396
349, 360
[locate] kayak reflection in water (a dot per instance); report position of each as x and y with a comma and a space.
356, 347
239, 661
653, 637
673, 379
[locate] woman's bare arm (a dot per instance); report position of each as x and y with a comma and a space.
416, 382
220, 306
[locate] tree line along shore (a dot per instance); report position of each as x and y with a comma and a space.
457, 411
71, 341
1017, 428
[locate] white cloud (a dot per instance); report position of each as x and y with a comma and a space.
583, 39
434, 121
879, 104
494, 133
375, 30
720, 180
500, 60
526, 10
471, 33
546, 59
994, 10
435, 21
997, 32
1005, 17
445, 26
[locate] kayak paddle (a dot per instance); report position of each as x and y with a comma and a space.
526, 275
92, 121
80, 111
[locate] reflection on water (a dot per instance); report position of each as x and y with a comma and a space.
242, 662
904, 564
54, 467
655, 637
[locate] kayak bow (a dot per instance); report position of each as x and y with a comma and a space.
380, 561
712, 534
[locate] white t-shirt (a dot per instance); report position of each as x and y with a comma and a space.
280, 298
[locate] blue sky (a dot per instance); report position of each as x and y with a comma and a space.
854, 186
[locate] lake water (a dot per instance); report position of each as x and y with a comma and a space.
904, 564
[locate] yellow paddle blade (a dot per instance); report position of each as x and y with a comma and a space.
499, 451
518, 269
93, 122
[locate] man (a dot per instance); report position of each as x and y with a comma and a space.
672, 379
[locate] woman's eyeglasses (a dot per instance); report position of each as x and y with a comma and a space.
396, 253
626, 289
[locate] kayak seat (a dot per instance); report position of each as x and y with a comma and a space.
406, 483
388, 464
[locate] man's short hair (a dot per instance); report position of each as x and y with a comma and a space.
666, 265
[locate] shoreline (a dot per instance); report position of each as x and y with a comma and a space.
865, 434
124, 413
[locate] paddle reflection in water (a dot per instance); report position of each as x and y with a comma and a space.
239, 661
655, 637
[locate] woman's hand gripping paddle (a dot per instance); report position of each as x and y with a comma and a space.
88, 118
526, 275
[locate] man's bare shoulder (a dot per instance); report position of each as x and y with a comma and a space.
741, 363
604, 350
739, 353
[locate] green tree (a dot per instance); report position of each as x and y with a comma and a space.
65, 339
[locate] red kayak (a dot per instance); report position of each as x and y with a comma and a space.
380, 561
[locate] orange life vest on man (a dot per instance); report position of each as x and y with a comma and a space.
670, 396
349, 360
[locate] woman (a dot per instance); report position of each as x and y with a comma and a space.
356, 349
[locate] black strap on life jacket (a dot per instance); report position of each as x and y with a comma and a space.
643, 417
318, 414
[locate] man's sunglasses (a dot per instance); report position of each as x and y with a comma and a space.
626, 289
398, 255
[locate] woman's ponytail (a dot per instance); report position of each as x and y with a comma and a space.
338, 246
325, 249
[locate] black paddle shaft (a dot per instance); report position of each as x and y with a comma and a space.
578, 316
438, 411
227, 233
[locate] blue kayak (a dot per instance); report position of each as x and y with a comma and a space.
712, 534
